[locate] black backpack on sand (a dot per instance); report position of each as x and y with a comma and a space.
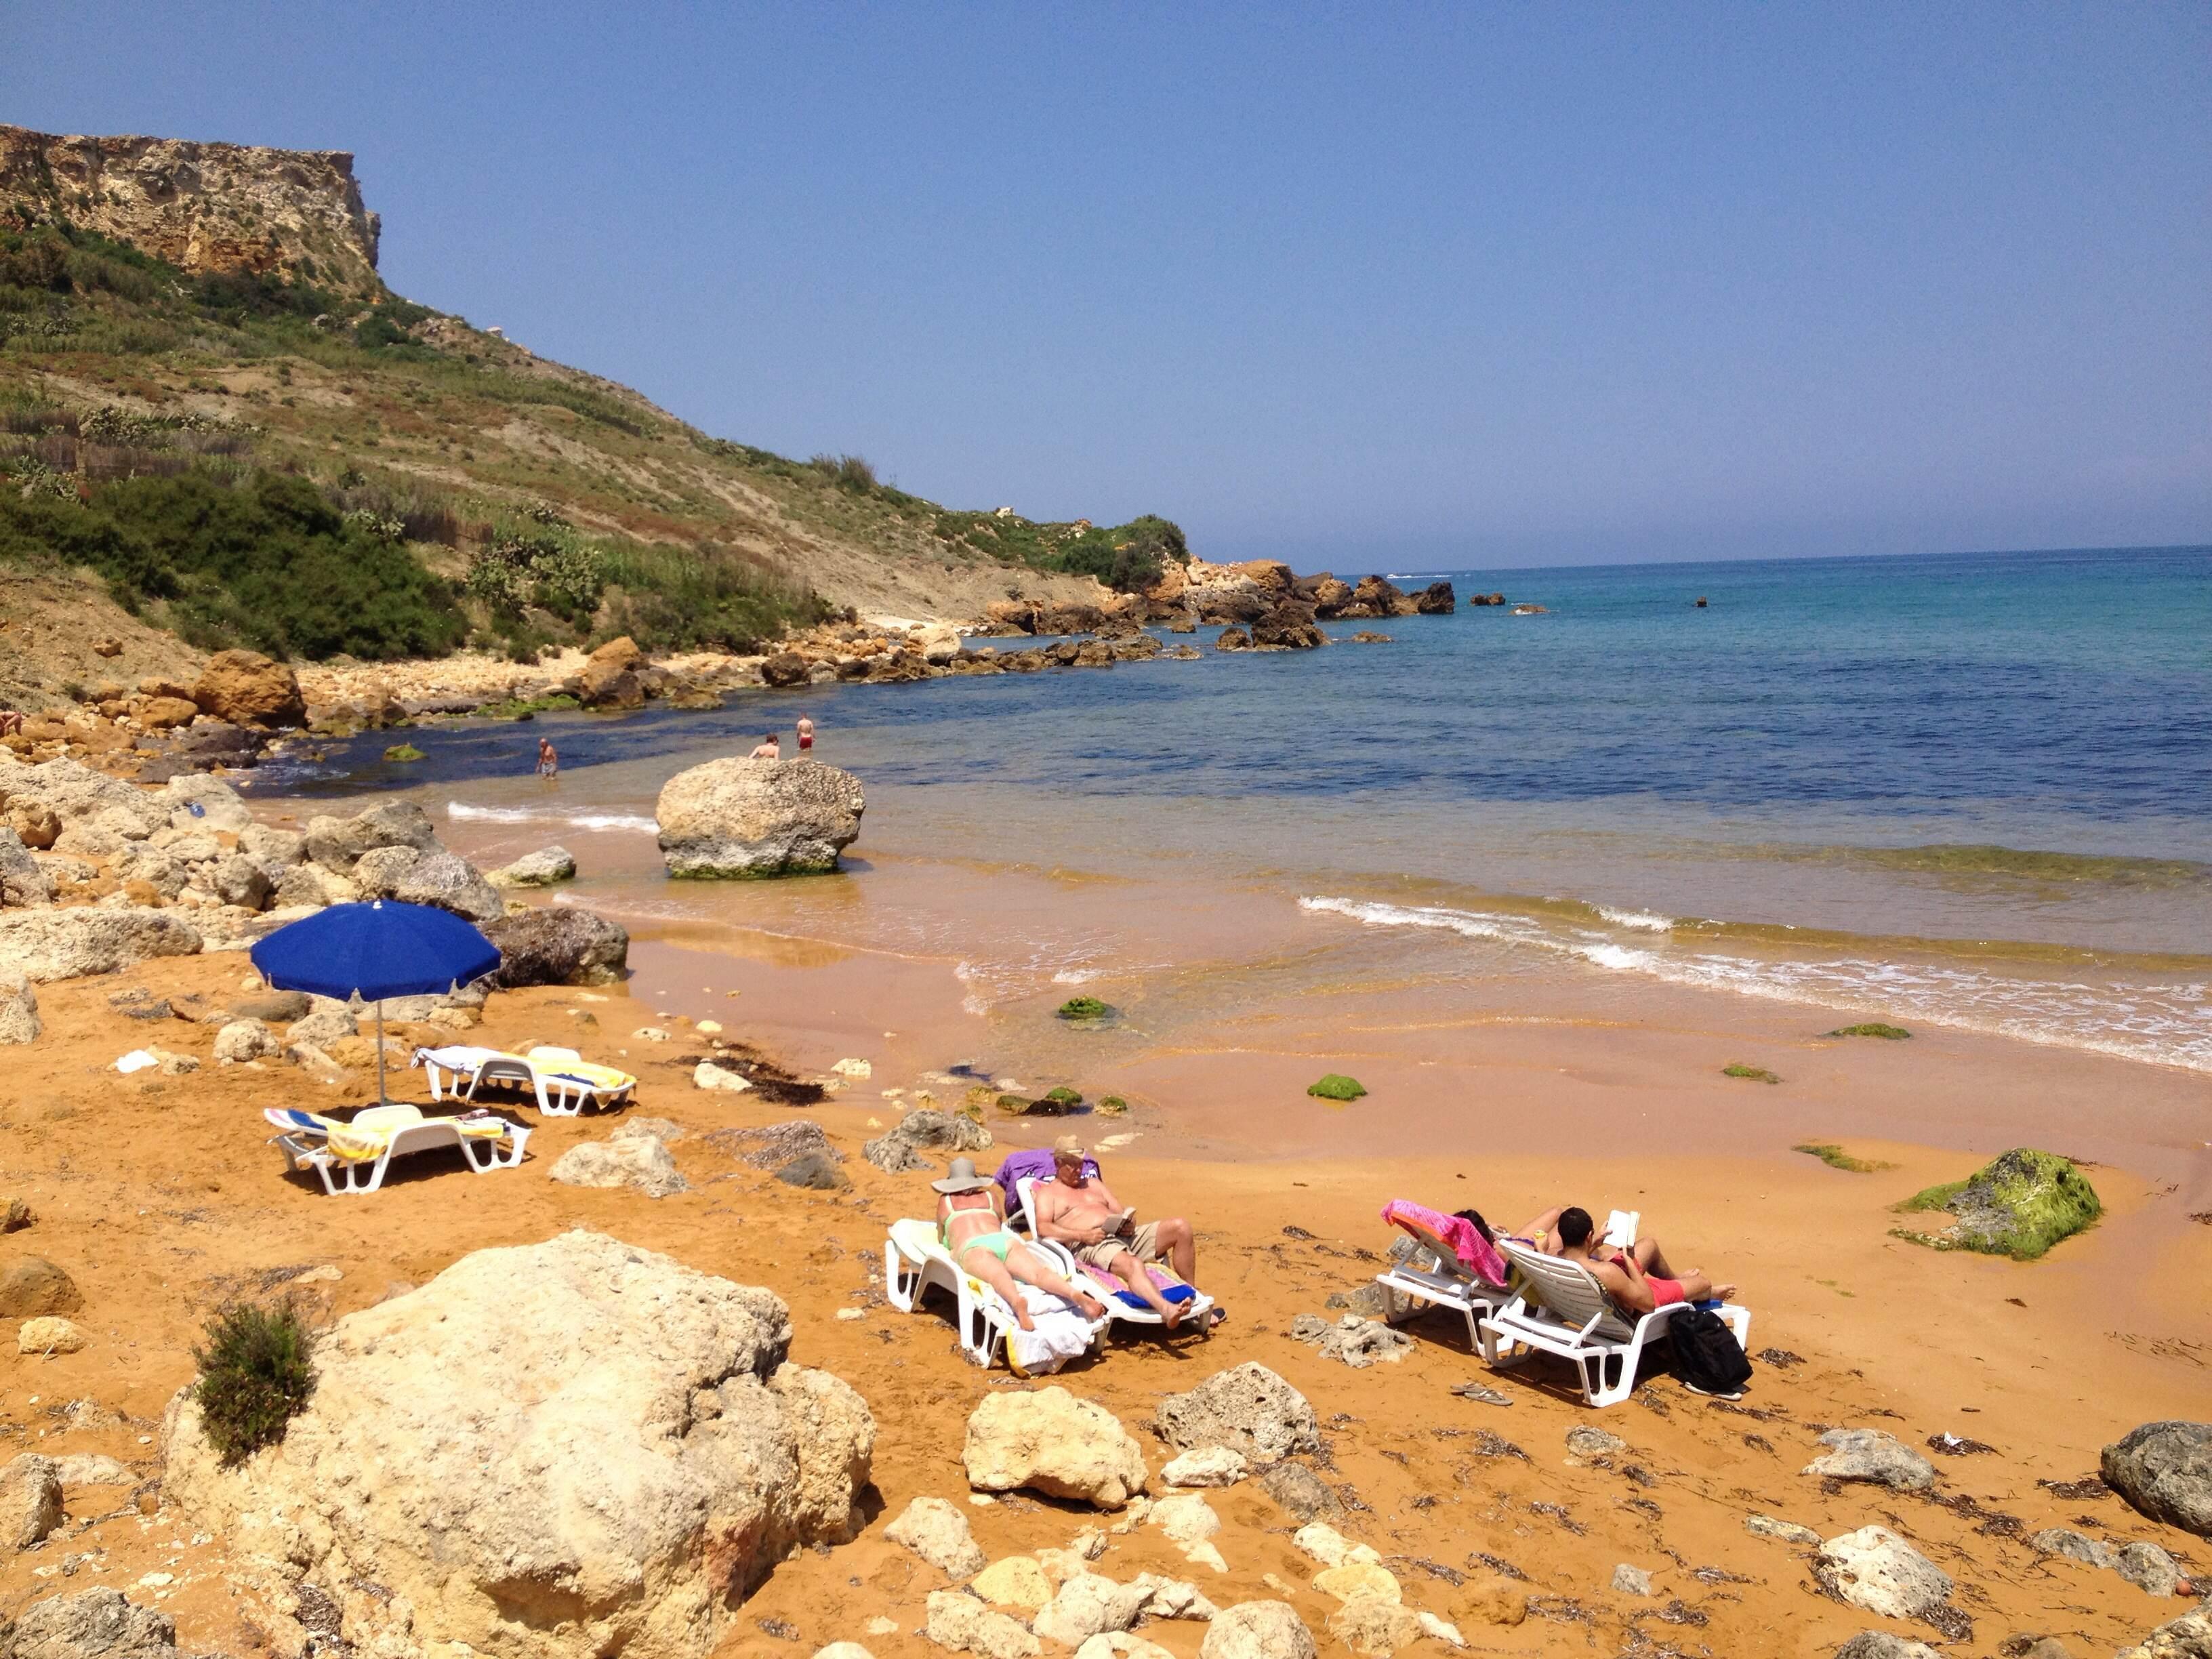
1707, 1356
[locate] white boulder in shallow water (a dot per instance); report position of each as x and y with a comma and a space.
734, 819
555, 1451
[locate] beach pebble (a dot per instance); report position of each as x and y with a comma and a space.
1878, 1572
708, 1075
1872, 1455
1017, 1582
30, 1501
1629, 1580
709, 1028
2151, 1569
1374, 1626
1881, 1644
1586, 1441
1441, 1630
1247, 1408
49, 1335
1121, 1644
1055, 1443
846, 1649
855, 1069
878, 1625
1089, 1605
650, 1034
1186, 1518
1491, 1598
1301, 1492
2075, 1547
1210, 1466
1765, 1526
1324, 1544
960, 1623
1356, 1579
939, 1534
1257, 1630
852, 1313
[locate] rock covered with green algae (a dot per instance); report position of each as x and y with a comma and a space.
1336, 1086
2018, 1205
1084, 1009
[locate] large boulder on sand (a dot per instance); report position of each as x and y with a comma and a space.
1872, 1455
444, 880
247, 689
49, 945
560, 944
19, 1010
556, 1451
65, 805
1247, 1408
338, 844
747, 817
1050, 1441
899, 1151
1257, 1630
2165, 1470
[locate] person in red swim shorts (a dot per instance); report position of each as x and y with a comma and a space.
1638, 1278
806, 734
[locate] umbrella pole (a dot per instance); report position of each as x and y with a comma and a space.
382, 1098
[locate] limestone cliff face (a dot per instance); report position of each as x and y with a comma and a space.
206, 207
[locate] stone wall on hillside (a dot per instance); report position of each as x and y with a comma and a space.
206, 207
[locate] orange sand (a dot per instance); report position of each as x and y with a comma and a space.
158, 1197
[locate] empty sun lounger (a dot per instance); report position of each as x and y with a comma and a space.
353, 1157
1561, 1309
1446, 1283
563, 1081
1123, 1305
916, 1261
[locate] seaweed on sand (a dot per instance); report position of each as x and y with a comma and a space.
2018, 1205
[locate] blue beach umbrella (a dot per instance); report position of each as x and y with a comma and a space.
374, 951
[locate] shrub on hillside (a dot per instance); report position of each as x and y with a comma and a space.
256, 1376
268, 564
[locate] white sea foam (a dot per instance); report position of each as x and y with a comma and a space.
1075, 975
1644, 921
2168, 1024
577, 820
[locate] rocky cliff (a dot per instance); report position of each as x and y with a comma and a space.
202, 207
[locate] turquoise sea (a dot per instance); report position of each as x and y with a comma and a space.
1971, 789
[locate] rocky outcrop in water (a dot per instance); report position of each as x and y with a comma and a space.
735, 819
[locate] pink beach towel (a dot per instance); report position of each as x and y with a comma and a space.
1475, 1253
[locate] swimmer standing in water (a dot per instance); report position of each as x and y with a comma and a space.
549, 759
806, 734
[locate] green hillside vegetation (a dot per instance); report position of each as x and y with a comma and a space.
253, 460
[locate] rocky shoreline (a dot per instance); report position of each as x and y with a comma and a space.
243, 706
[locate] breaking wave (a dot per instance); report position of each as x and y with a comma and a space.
576, 820
2165, 1023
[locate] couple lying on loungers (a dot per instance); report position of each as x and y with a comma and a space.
1639, 1278
1076, 1209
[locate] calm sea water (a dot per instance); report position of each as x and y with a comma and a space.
1973, 790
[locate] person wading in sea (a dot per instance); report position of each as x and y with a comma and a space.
768, 748
549, 759
806, 734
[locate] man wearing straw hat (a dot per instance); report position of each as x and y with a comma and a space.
975, 1237
1077, 1209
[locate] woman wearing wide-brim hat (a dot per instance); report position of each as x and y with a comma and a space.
975, 1237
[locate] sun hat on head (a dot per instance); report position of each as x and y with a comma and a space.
962, 1178
1067, 1146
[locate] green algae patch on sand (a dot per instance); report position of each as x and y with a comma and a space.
2018, 1205
1336, 1086
1837, 1158
1873, 1028
1058, 1104
1084, 1009
404, 751
1065, 1098
1751, 1073
1112, 1106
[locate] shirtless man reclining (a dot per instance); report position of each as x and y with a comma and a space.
1638, 1278
1083, 1213
974, 1234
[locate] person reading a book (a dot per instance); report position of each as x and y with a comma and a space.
1080, 1211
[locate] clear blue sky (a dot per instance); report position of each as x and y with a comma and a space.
1370, 286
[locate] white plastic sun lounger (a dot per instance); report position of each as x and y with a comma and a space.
1123, 1307
563, 1082
916, 1261
353, 1157
1561, 1309
1447, 1283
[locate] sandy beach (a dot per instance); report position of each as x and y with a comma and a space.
160, 1201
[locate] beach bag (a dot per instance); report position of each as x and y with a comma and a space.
1707, 1356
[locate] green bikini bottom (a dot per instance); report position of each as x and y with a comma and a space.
997, 1244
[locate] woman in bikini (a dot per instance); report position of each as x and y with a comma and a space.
973, 1225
